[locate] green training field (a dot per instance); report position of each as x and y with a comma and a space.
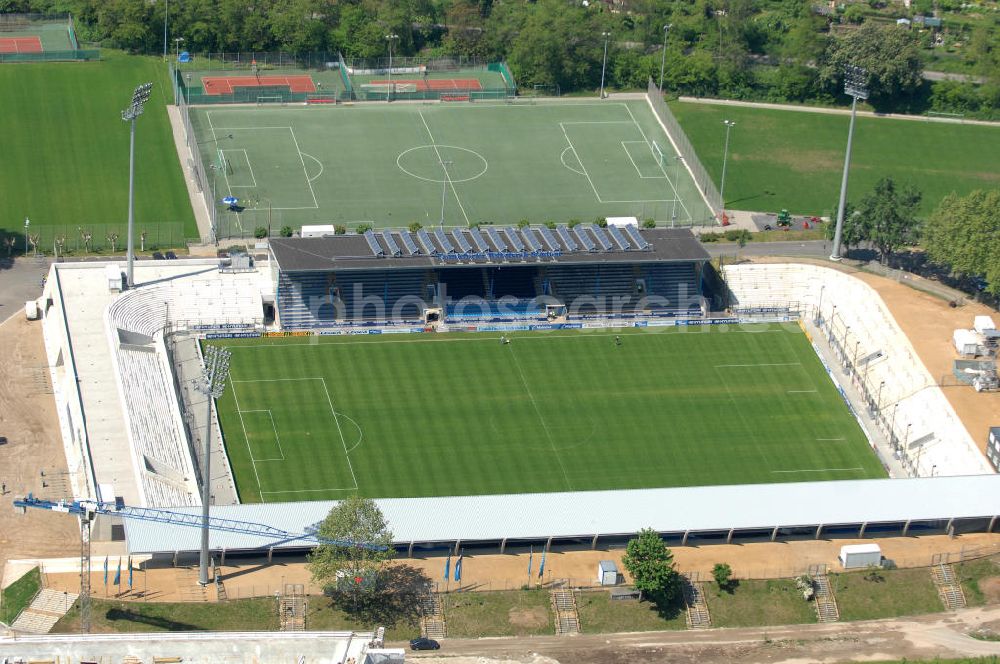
461, 414
392, 164
65, 152
788, 159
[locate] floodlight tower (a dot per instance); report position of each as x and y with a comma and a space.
388, 92
214, 375
663, 55
133, 111
855, 85
725, 159
604, 62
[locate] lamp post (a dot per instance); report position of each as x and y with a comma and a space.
663, 56
855, 85
725, 158
444, 188
133, 111
878, 399
604, 63
177, 47
27, 222
166, 14
214, 375
388, 90
677, 172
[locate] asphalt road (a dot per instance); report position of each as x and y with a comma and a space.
20, 280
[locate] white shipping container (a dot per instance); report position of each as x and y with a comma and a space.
853, 556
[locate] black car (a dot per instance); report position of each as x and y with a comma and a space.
171, 256
424, 644
157, 256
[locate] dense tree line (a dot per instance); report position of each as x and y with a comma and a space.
775, 50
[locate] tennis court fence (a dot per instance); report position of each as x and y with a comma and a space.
684, 148
56, 33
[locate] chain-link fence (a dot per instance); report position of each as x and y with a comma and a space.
684, 148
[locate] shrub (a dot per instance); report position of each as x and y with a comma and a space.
649, 223
415, 226
551, 225
523, 223
286, 231
339, 229
260, 232
572, 222
362, 228
709, 237
601, 222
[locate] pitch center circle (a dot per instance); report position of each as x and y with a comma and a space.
424, 162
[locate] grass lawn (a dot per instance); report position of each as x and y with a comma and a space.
902, 592
461, 414
973, 574
390, 165
18, 595
599, 614
758, 603
65, 154
503, 613
788, 159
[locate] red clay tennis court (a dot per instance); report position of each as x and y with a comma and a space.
20, 45
435, 83
225, 85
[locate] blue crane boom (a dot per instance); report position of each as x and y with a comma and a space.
83, 507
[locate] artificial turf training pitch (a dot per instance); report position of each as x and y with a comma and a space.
461, 414
391, 165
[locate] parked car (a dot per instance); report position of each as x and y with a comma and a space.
424, 644
171, 255
157, 256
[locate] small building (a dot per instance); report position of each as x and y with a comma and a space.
853, 556
322, 230
607, 573
967, 342
993, 447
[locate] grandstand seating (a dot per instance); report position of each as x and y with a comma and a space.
517, 282
135, 322
319, 299
859, 325
677, 282
465, 282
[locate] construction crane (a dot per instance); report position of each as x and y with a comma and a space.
87, 511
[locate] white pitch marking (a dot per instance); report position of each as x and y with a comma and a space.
818, 470
764, 364
260, 489
802, 391
447, 175
304, 170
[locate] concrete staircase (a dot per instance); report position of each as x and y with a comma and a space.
45, 611
292, 609
698, 616
432, 624
825, 601
948, 587
564, 606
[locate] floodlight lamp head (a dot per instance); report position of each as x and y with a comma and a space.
856, 82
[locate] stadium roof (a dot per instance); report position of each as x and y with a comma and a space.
585, 514
359, 252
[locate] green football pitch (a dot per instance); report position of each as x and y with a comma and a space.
66, 152
794, 160
395, 164
462, 414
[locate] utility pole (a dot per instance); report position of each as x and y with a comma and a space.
855, 85
388, 90
214, 375
663, 56
133, 111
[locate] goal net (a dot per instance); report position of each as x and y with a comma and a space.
658, 154
224, 164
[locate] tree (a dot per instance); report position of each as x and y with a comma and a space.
348, 573
964, 235
853, 232
889, 216
723, 575
651, 565
890, 55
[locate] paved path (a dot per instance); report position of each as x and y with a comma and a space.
940, 635
832, 111
20, 280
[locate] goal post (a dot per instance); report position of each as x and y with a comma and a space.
658, 154
224, 165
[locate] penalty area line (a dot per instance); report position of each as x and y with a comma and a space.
818, 470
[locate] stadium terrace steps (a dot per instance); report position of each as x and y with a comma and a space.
698, 616
567, 620
826, 601
432, 623
948, 586
45, 610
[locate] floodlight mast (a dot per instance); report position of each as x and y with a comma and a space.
129, 114
855, 85
214, 375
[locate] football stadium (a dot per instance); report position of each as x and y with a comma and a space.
496, 320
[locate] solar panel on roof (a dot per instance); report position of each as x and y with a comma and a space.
602, 239
495, 238
568, 242
513, 238
425, 241
585, 240
479, 240
443, 240
463, 244
408, 243
529, 239
637, 239
390, 243
549, 239
373, 244
619, 239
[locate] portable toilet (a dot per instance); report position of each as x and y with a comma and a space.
607, 573
853, 556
